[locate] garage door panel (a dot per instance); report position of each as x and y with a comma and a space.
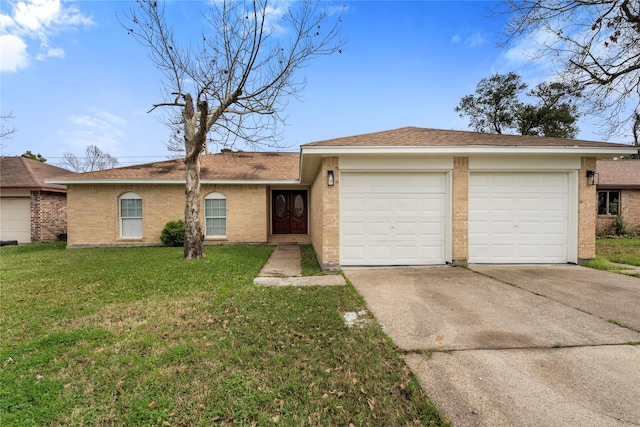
402, 221
15, 219
518, 217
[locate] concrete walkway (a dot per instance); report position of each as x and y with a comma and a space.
284, 269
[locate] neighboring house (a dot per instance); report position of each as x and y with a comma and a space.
30, 209
409, 196
618, 194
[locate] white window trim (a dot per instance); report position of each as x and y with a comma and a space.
215, 196
128, 196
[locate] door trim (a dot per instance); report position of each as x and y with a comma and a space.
307, 207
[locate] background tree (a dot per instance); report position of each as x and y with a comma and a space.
595, 43
93, 160
496, 107
492, 109
231, 80
38, 157
6, 130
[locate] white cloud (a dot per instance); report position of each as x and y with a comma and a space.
475, 39
98, 127
13, 53
56, 52
40, 20
456, 38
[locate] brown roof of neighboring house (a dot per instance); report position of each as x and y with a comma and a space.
238, 166
23, 173
618, 173
417, 137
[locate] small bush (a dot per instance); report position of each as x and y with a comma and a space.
173, 233
619, 226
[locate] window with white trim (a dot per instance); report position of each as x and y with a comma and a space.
609, 202
130, 216
215, 215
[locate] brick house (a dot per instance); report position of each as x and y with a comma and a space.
30, 209
409, 196
618, 193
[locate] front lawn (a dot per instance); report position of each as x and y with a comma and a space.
611, 252
620, 250
139, 337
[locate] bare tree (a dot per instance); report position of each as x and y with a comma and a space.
597, 45
231, 80
6, 131
93, 160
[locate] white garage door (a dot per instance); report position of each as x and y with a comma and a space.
15, 220
518, 217
392, 218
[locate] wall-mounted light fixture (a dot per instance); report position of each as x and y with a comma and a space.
330, 181
592, 178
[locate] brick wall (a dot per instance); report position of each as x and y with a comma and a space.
48, 215
325, 215
587, 211
630, 205
93, 215
460, 210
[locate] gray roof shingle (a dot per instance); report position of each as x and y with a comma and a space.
22, 173
618, 173
419, 137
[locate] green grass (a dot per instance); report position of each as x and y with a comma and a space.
602, 263
310, 266
139, 337
619, 250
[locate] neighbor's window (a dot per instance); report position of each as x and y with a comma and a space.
608, 202
130, 215
215, 215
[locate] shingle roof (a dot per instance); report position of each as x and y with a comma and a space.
418, 137
618, 173
22, 173
239, 166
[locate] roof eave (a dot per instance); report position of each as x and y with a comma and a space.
114, 181
469, 149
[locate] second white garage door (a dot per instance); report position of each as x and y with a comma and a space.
392, 218
15, 219
518, 217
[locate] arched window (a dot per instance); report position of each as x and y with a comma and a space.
215, 215
130, 216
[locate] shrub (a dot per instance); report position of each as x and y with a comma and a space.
173, 233
619, 226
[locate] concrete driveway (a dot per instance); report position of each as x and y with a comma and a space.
515, 345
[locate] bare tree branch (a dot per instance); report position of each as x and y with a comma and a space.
6, 131
233, 77
596, 44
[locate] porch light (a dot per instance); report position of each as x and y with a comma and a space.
592, 178
330, 178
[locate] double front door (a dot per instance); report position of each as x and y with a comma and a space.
289, 211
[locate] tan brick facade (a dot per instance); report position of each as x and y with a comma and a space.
93, 214
460, 210
587, 211
630, 209
325, 215
48, 215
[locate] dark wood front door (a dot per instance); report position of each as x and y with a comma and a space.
289, 211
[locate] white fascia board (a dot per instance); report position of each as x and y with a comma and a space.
169, 181
471, 149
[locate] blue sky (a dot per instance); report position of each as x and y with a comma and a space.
73, 77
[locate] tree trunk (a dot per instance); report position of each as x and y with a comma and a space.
193, 238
